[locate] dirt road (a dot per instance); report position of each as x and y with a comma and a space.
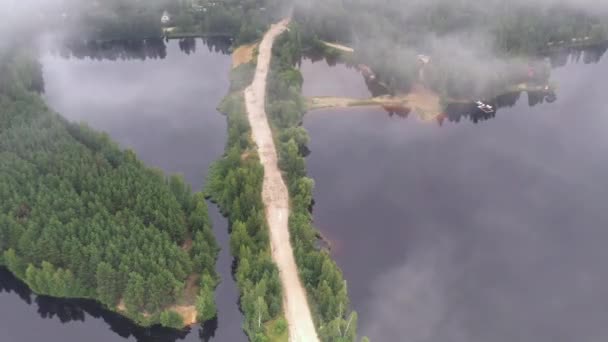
423, 101
340, 47
276, 198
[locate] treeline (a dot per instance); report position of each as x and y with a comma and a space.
472, 45
514, 27
104, 20
235, 183
589, 55
325, 285
244, 21
151, 48
82, 218
457, 112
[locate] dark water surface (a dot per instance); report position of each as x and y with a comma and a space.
164, 108
488, 232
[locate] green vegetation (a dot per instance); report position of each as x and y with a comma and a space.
277, 330
235, 183
81, 218
240, 79
245, 21
171, 319
325, 285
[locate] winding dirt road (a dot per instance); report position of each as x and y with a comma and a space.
276, 198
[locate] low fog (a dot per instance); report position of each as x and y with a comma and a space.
527, 269
472, 44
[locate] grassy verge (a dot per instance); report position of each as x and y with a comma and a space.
277, 331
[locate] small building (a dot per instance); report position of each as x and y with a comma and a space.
424, 59
166, 18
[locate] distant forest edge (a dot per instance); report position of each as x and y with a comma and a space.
469, 49
81, 218
245, 21
151, 48
475, 51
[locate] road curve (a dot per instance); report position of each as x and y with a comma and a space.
276, 198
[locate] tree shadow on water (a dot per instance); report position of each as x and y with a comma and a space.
77, 310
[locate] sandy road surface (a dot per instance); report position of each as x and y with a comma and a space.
276, 199
340, 47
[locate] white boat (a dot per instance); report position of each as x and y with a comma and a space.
486, 108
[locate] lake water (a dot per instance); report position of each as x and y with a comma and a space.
466, 232
159, 100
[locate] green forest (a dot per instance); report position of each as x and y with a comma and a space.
235, 183
245, 21
82, 218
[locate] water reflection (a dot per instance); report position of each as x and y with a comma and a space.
590, 55
350, 76
152, 48
464, 234
455, 112
187, 45
71, 310
175, 128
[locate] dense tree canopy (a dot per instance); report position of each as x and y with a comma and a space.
235, 183
80, 217
325, 285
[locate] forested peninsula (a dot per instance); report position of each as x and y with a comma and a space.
81, 218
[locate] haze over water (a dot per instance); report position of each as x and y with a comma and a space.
468, 232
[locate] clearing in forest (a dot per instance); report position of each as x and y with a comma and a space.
243, 55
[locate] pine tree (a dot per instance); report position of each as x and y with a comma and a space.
134, 295
107, 282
